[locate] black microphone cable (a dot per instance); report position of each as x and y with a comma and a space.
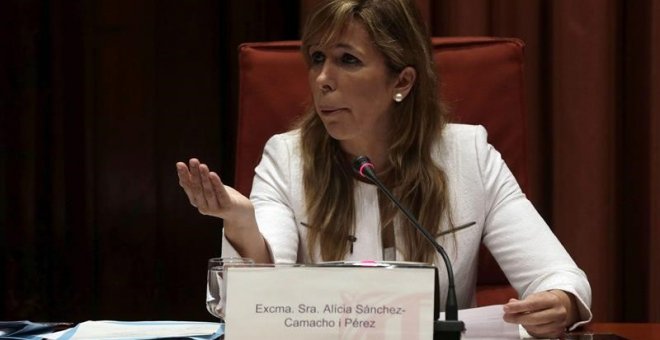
452, 326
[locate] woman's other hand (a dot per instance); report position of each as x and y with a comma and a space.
544, 314
206, 192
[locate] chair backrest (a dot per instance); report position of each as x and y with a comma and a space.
481, 80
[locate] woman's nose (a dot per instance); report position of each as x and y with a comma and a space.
325, 79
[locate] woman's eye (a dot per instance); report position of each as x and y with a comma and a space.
317, 58
349, 59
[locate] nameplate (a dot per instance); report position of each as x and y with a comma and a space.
308, 302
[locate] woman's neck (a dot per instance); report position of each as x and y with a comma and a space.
377, 153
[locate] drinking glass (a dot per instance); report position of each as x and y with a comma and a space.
216, 287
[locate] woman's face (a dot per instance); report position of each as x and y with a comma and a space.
352, 89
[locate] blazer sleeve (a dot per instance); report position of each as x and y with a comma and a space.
270, 196
528, 252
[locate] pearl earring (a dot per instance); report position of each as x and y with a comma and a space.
398, 97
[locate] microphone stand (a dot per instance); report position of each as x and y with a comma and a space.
450, 328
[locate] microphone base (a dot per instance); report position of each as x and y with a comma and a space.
448, 329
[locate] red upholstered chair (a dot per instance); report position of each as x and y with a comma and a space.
481, 81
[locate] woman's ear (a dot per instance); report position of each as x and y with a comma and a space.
404, 82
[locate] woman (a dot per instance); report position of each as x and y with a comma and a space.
374, 90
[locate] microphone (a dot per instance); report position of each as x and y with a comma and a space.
451, 327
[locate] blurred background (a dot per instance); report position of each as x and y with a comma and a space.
100, 98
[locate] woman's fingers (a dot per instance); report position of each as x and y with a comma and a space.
538, 318
196, 187
542, 314
534, 302
221, 194
185, 180
204, 188
210, 198
208, 194
204, 196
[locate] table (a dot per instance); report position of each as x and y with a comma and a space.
595, 331
632, 331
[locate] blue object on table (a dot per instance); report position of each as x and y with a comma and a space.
143, 330
28, 330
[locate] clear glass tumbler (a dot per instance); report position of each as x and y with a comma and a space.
216, 288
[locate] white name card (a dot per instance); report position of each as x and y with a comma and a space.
302, 303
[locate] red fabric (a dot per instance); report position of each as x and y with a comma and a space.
481, 81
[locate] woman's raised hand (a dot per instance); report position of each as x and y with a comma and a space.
207, 193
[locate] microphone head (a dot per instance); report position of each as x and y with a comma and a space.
363, 166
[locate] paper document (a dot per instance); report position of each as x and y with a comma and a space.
117, 330
486, 323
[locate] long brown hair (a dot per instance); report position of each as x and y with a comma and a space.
398, 32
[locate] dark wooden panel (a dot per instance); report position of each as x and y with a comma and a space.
189, 74
105, 97
23, 219
72, 285
635, 164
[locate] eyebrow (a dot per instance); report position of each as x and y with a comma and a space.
353, 49
345, 45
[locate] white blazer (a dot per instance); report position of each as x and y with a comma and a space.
482, 189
